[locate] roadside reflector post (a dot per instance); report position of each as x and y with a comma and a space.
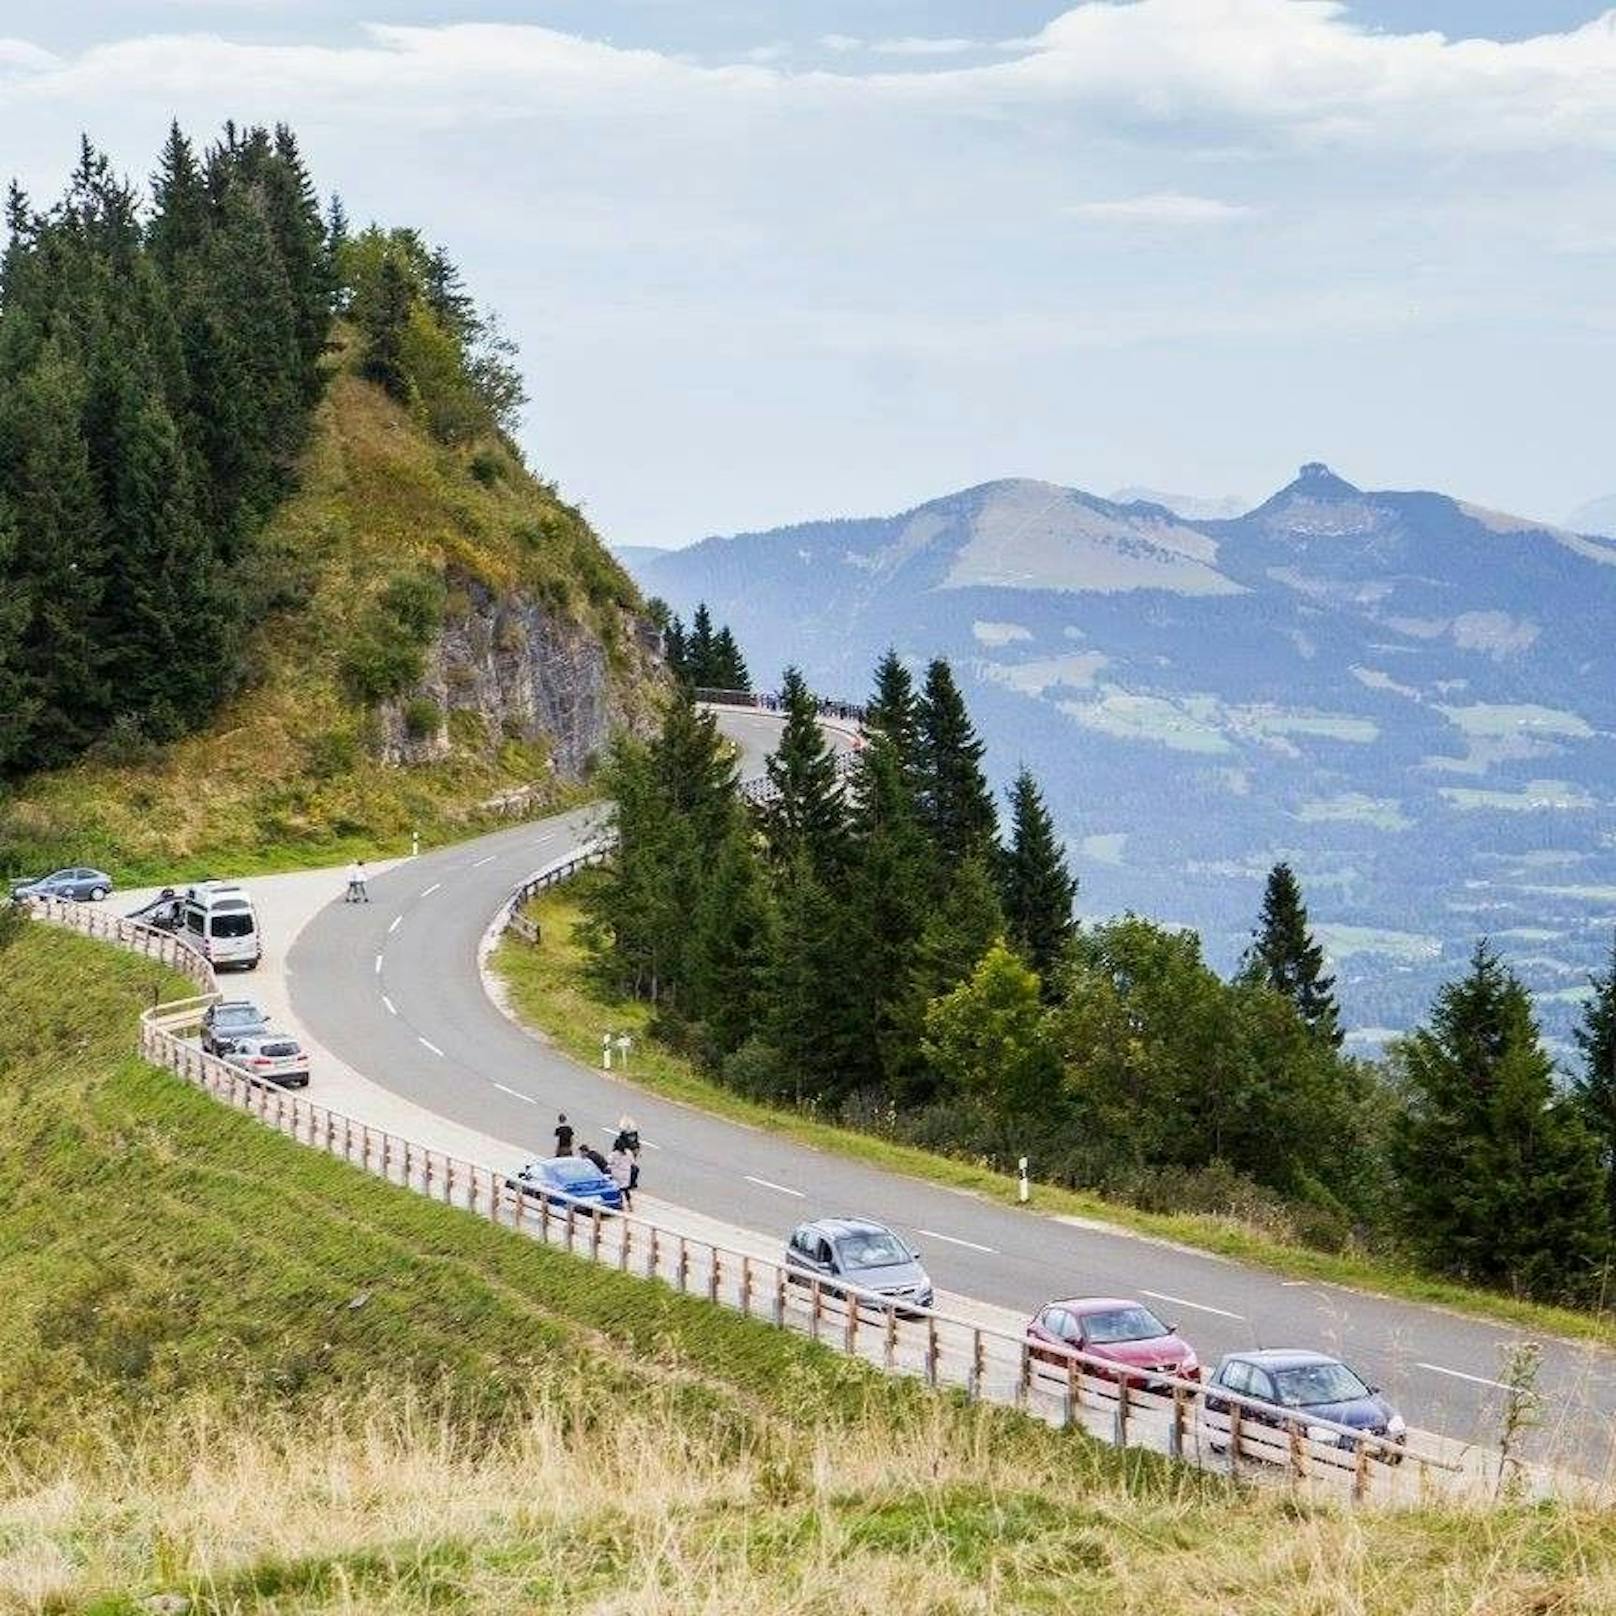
1023, 1188
415, 844
605, 1052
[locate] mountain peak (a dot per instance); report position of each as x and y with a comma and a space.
1316, 481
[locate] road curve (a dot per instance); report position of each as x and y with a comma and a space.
393, 989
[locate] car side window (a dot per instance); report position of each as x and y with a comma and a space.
1262, 1386
1236, 1377
1060, 1324
822, 1253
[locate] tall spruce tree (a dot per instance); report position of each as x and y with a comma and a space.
383, 322
180, 210
1595, 1085
805, 816
676, 648
699, 650
1037, 888
1285, 956
18, 705
729, 666
1499, 1178
956, 806
894, 711
732, 943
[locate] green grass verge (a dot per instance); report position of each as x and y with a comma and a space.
552, 988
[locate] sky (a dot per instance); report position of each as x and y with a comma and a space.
774, 260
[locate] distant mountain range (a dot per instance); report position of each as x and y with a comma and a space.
1597, 516
1409, 696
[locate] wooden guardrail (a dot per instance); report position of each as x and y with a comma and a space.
1059, 1384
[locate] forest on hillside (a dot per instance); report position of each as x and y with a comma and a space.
868, 943
161, 356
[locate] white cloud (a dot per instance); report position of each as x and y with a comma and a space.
1160, 208
920, 45
841, 42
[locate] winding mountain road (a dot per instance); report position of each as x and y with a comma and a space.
394, 990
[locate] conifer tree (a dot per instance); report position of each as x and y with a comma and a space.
384, 321
1038, 889
805, 816
1499, 1178
956, 806
729, 667
732, 943
180, 212
699, 652
676, 648
894, 711
1595, 1085
18, 707
1285, 956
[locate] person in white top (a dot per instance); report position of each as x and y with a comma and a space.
356, 883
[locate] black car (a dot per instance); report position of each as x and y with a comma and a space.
165, 912
229, 1020
81, 885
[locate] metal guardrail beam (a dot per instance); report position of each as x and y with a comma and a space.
1060, 1384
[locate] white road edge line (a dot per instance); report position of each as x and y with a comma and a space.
954, 1240
764, 1184
378, 965
1200, 1307
431, 889
398, 920
427, 1043
482, 861
515, 1094
1459, 1374
391, 1008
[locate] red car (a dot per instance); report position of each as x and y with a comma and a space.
1118, 1331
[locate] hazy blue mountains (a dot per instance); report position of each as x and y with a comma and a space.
1411, 697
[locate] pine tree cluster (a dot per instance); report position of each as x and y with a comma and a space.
867, 945
701, 657
158, 366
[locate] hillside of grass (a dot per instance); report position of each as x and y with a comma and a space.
240, 1372
388, 533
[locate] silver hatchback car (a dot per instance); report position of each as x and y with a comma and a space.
863, 1254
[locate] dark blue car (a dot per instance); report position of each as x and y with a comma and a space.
563, 1179
1312, 1384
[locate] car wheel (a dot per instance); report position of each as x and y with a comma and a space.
97, 894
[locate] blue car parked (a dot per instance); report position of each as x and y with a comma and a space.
1313, 1385
563, 1179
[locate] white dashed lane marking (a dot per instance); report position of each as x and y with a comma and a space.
954, 1240
378, 965
426, 1043
764, 1184
1200, 1307
391, 1008
398, 920
1459, 1374
515, 1094
431, 889
645, 1144
482, 861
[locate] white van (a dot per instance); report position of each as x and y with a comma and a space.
221, 924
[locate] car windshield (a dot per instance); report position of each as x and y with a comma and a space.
1123, 1324
574, 1172
240, 1015
232, 925
874, 1248
1312, 1384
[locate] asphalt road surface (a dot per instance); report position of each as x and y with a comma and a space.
394, 989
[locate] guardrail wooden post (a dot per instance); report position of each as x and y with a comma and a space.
1175, 1431
889, 1345
779, 1297
1071, 1393
544, 1218
1024, 1378
931, 1349
973, 1385
1298, 1455
651, 1259
1360, 1474
684, 1265
746, 1285
1119, 1430
572, 1225
850, 1329
1234, 1439
712, 1277
813, 1318
594, 1238
625, 1246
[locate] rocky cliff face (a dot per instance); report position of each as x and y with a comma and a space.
508, 667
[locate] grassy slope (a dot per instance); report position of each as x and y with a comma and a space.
281, 778
233, 1368
553, 989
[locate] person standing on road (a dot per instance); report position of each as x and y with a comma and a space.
620, 1168
627, 1143
352, 894
563, 1135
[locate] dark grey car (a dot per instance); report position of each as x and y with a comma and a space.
229, 1020
80, 884
862, 1253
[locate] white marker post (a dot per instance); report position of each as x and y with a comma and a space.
415, 844
1023, 1188
606, 1052
622, 1044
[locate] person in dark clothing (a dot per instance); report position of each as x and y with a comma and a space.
593, 1157
563, 1135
